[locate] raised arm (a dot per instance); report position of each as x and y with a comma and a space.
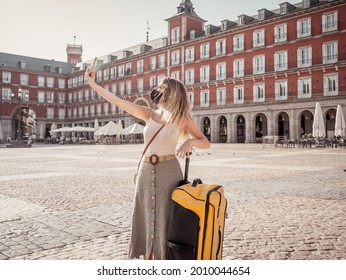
135, 110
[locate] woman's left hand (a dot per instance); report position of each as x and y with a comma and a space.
184, 149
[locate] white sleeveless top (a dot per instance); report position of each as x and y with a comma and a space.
165, 142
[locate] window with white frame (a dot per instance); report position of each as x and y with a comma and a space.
128, 87
105, 74
25, 95
221, 71
160, 78
86, 111
162, 60
114, 89
50, 82
221, 96
304, 56
74, 82
175, 75
75, 97
70, 98
152, 81
80, 111
204, 97
99, 76
128, 68
281, 90
92, 94
175, 35
153, 63
238, 43
304, 27
98, 109
258, 38
121, 70
24, 79
190, 54
258, 64
204, 74
41, 96
80, 80
191, 97
61, 83
62, 113
69, 83
330, 22
140, 66
280, 33
86, 94
6, 77
106, 109
50, 96
40, 81
50, 113
238, 68
175, 57
221, 47
304, 87
331, 86
330, 52
92, 110
140, 85
6, 94
113, 109
238, 94
122, 88
204, 51
113, 72
190, 76
69, 113
61, 97
280, 61
80, 96
258, 92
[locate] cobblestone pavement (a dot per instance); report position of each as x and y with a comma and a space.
75, 201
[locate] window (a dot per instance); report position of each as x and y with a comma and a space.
238, 43
61, 83
330, 52
92, 110
140, 85
99, 76
80, 80
75, 112
175, 75
121, 70
50, 82
331, 86
128, 68
86, 94
330, 22
6, 77
258, 93
61, 97
86, 111
153, 63
122, 88
6, 94
175, 57
304, 87
92, 94
40, 96
204, 74
161, 77
74, 81
175, 35
221, 96
280, 33
281, 90
204, 97
304, 57
50, 97
98, 109
162, 61
80, 112
190, 96
258, 38
113, 72
258, 64
105, 74
50, 113
128, 87
25, 94
189, 76
152, 81
106, 109
280, 61
304, 28
140, 66
190, 54
24, 79
238, 68
113, 109
221, 47
62, 113
238, 94
40, 81
205, 51
114, 89
221, 71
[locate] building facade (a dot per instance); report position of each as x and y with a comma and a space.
255, 76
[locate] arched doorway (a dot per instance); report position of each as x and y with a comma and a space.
241, 129
23, 124
223, 130
306, 121
330, 123
283, 125
261, 127
206, 128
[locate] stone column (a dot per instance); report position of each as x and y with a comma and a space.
230, 131
293, 124
248, 127
213, 128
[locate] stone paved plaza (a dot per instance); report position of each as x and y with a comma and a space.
75, 201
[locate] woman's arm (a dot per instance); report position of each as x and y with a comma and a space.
135, 110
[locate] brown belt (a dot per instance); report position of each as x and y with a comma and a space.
154, 159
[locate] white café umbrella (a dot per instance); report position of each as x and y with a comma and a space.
135, 128
53, 127
340, 126
318, 128
120, 126
81, 129
110, 128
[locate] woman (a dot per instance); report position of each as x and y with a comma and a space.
159, 170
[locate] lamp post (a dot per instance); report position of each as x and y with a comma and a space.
20, 99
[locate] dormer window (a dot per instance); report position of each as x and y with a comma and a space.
175, 35
283, 9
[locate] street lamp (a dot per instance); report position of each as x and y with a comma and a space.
20, 99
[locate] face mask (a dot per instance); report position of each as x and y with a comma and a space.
155, 96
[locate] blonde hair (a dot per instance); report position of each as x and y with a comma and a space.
175, 103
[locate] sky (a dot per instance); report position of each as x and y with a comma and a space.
43, 28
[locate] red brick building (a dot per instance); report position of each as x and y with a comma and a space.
246, 78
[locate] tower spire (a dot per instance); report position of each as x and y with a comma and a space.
148, 28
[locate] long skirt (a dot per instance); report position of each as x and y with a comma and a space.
152, 208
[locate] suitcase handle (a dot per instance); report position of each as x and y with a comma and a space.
196, 182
